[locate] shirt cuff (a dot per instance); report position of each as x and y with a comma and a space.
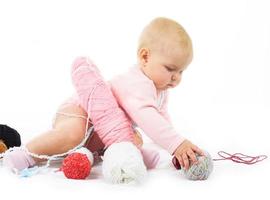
175, 145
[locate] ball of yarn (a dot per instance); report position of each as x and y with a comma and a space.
202, 169
77, 165
123, 163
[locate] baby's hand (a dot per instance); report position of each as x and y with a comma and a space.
185, 153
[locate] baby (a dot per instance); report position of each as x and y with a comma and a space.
164, 52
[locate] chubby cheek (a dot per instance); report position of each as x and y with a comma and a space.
162, 79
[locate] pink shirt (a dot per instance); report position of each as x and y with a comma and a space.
146, 107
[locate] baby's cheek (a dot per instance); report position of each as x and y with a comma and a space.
164, 80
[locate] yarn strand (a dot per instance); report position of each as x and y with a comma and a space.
240, 158
88, 132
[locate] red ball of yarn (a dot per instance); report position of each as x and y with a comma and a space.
76, 166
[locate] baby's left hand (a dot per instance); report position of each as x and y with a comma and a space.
185, 153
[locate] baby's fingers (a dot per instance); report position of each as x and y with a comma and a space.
180, 160
198, 150
185, 161
192, 157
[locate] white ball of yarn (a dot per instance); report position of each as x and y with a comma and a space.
123, 163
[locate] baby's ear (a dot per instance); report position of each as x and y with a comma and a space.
144, 55
3, 147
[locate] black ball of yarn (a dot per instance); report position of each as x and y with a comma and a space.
9, 136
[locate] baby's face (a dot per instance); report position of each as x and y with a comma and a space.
165, 69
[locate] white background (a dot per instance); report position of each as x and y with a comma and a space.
223, 102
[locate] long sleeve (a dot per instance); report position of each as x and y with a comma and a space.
138, 98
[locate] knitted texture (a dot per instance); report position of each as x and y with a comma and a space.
78, 164
202, 170
123, 163
110, 122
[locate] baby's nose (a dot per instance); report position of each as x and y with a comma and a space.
174, 78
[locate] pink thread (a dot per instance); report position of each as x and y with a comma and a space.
240, 158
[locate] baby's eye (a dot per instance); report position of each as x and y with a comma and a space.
169, 69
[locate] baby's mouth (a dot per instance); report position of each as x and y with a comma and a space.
170, 86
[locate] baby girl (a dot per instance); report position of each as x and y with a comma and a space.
164, 53
137, 98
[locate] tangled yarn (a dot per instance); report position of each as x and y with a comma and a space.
240, 158
202, 169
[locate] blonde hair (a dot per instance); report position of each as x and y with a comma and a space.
163, 34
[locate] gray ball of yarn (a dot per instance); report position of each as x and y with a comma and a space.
202, 169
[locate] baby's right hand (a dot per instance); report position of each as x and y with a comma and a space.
185, 153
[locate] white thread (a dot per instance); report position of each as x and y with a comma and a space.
72, 115
58, 156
